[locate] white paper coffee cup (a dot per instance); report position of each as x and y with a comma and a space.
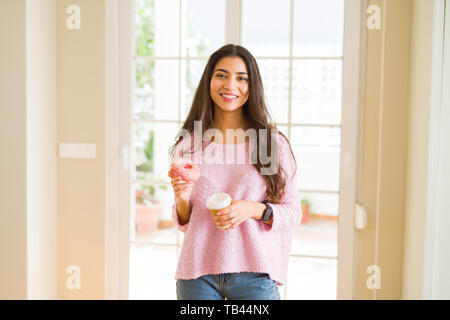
217, 202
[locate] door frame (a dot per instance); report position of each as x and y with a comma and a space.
351, 145
119, 136
438, 170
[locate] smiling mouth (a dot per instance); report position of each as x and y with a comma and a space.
228, 96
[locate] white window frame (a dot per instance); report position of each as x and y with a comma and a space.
120, 136
435, 276
351, 145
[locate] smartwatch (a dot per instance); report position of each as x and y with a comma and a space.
267, 214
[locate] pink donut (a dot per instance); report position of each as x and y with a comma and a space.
185, 169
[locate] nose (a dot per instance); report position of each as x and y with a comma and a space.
230, 84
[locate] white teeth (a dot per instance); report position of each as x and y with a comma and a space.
228, 96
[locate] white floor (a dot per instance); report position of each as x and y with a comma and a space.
152, 267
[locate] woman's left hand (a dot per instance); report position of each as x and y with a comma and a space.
238, 212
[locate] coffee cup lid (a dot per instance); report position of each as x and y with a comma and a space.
218, 201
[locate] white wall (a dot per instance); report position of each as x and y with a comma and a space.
13, 204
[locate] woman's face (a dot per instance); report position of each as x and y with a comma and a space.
229, 83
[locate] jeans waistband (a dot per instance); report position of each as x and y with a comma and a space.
224, 277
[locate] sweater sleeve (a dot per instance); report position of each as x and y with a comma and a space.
181, 227
288, 213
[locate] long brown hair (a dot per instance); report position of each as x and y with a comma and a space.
255, 111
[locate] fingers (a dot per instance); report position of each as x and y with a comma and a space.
230, 222
236, 223
224, 220
224, 223
182, 187
224, 217
230, 217
178, 181
225, 214
225, 211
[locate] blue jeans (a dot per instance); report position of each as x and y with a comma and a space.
230, 286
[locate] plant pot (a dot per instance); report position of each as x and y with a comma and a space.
147, 217
305, 211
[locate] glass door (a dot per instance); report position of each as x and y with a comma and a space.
299, 46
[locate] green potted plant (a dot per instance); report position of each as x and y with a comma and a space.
305, 209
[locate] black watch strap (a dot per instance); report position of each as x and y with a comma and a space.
267, 214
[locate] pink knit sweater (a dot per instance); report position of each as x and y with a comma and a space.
253, 246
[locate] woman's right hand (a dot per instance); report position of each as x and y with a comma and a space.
182, 189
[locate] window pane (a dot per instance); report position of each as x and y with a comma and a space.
317, 152
205, 27
265, 27
156, 93
316, 137
284, 130
317, 91
143, 103
152, 137
193, 70
157, 27
145, 27
275, 77
318, 28
312, 279
152, 269
316, 237
154, 195
323, 204
167, 27
166, 75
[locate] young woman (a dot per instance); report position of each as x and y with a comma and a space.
242, 253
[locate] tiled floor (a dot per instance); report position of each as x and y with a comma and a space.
152, 267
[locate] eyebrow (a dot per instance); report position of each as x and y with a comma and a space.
223, 70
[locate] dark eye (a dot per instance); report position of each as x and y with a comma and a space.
220, 75
242, 78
